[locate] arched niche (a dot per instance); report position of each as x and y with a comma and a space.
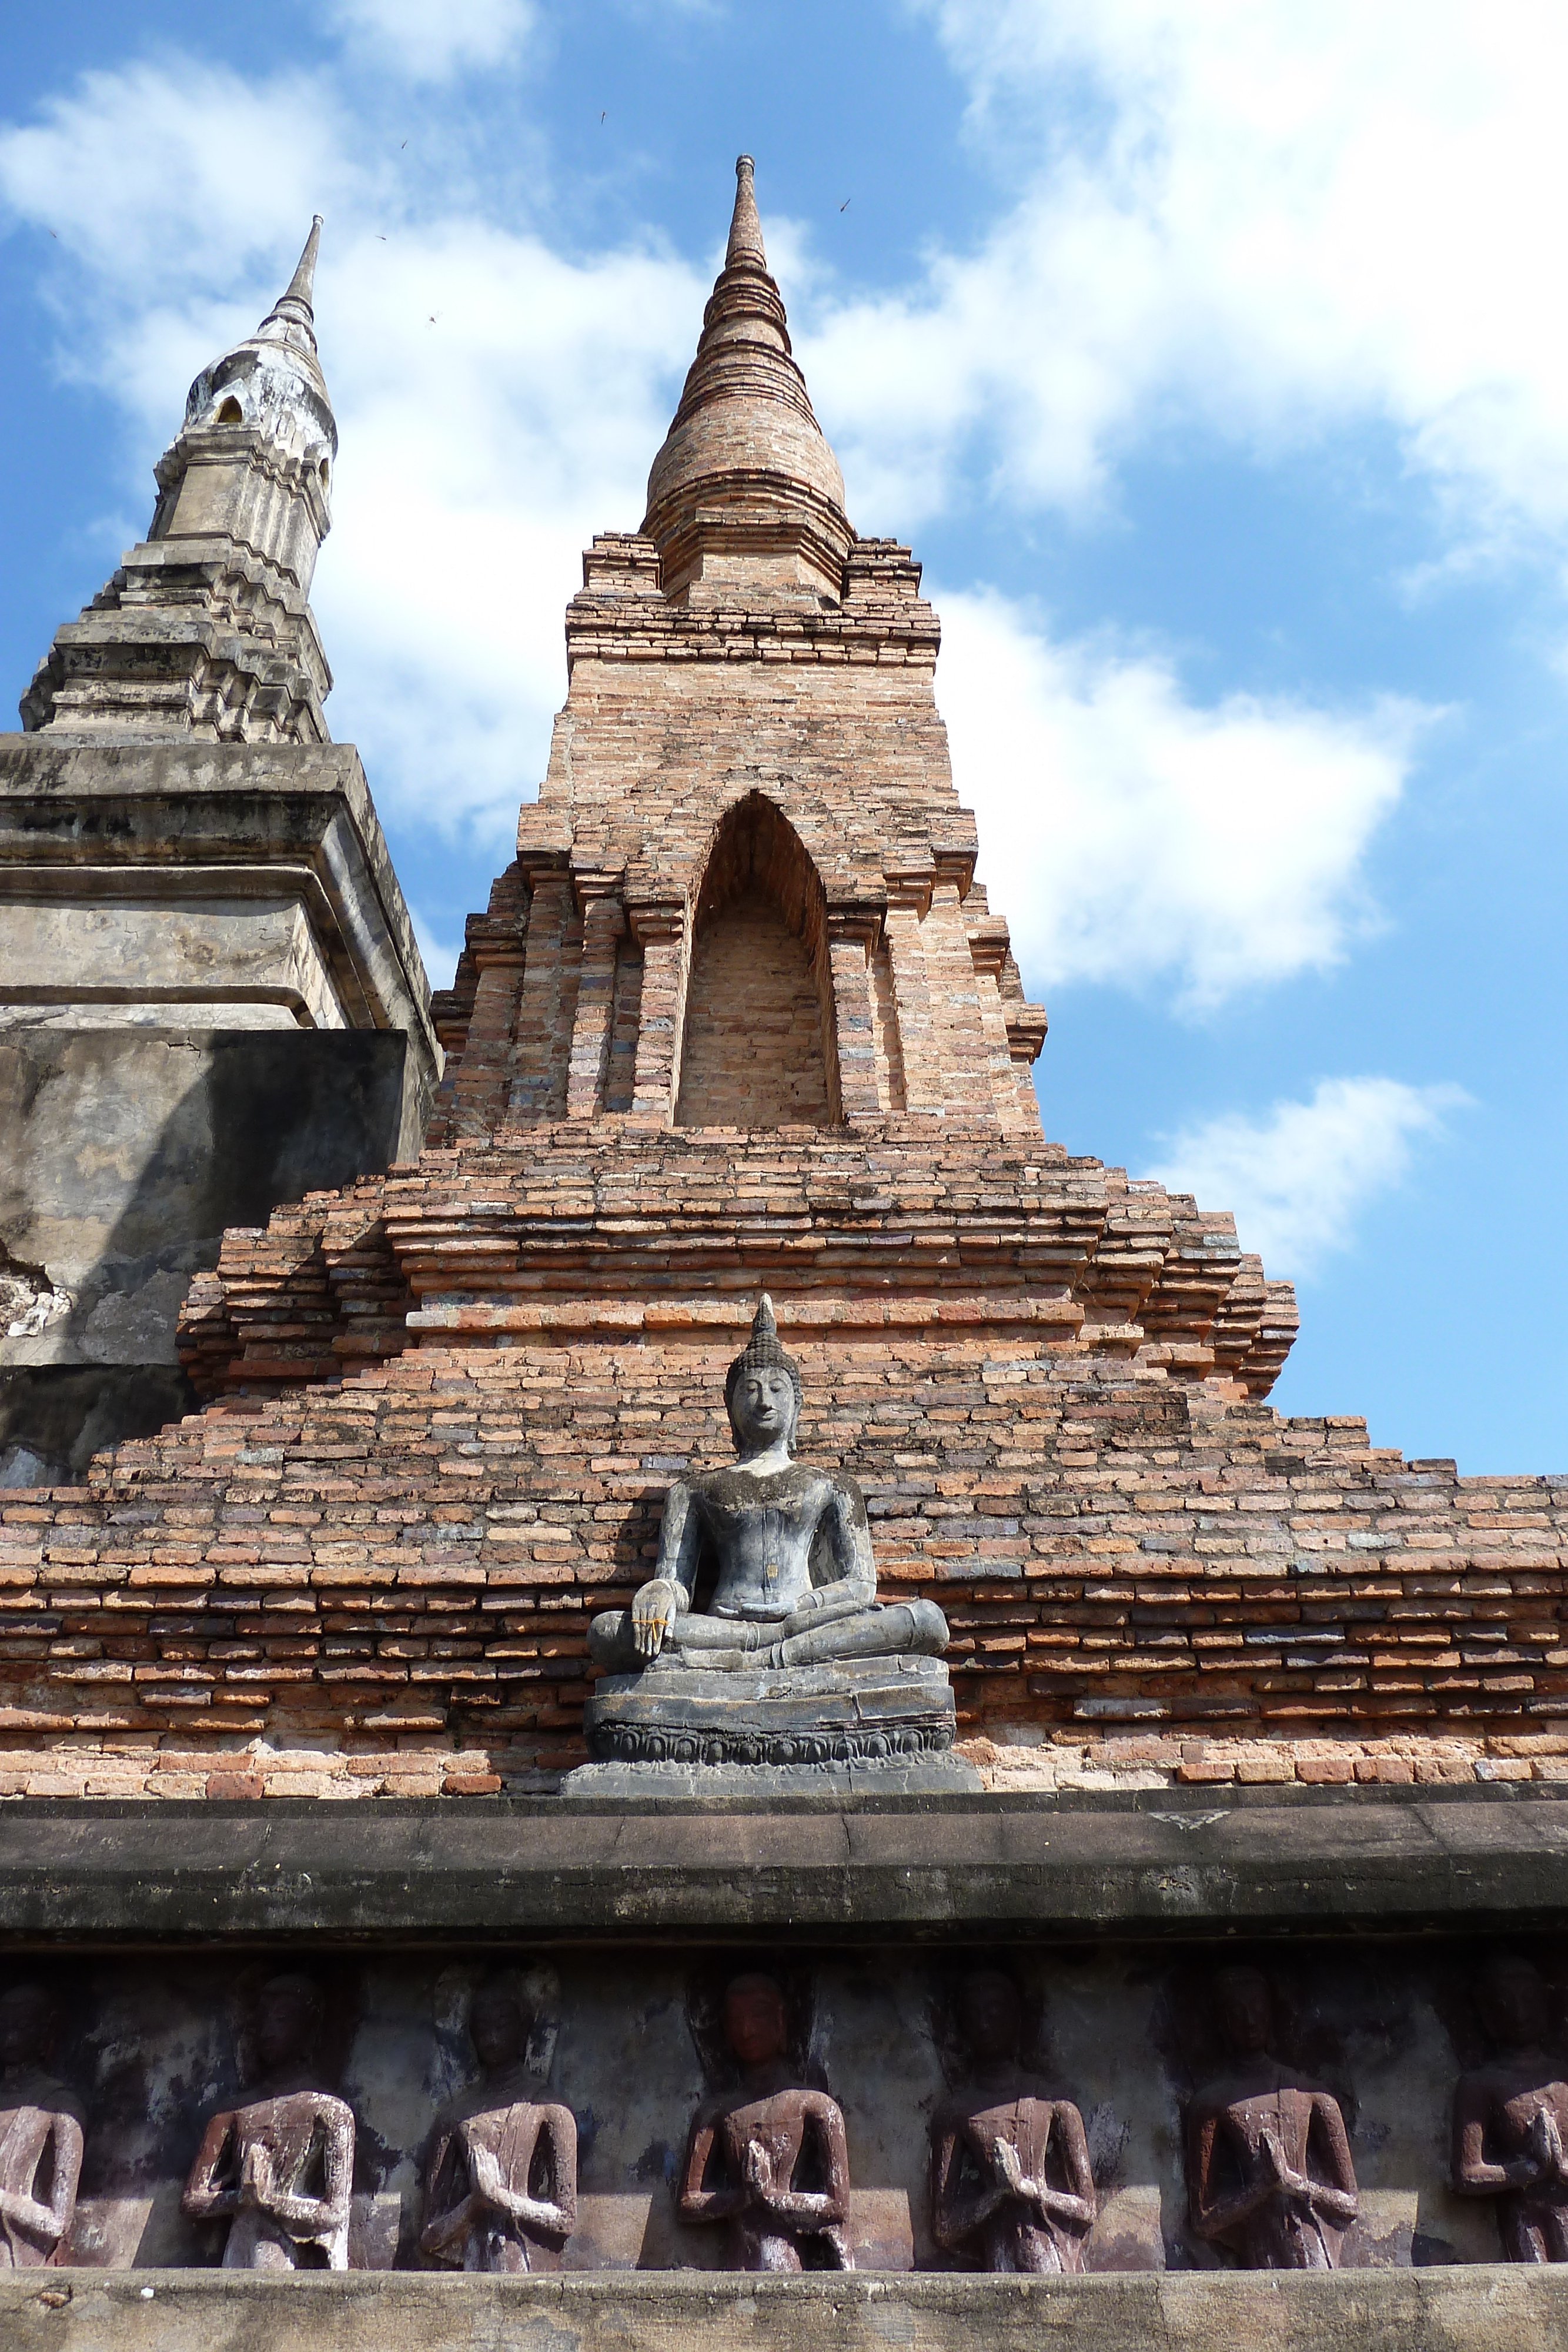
758, 1047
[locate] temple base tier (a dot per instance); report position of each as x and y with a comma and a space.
896, 1711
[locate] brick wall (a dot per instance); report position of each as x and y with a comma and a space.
753, 1050
407, 1563
1037, 1370
701, 751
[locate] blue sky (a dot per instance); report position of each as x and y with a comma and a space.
1212, 361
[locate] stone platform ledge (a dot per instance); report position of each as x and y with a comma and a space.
1481, 2307
1182, 1864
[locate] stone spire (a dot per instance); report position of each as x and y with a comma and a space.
745, 229
294, 309
206, 629
746, 501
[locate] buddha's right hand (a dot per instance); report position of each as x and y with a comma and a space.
654, 1612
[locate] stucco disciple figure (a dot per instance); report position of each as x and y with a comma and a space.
281, 2166
770, 2158
796, 1580
1011, 2188
40, 2133
1511, 2117
1269, 2174
501, 2173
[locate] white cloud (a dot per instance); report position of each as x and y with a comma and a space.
439, 955
479, 454
1149, 837
1268, 219
496, 403
428, 40
148, 177
1298, 1179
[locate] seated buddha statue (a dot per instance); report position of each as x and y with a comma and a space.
794, 1582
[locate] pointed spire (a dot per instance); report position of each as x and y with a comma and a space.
302, 285
294, 309
745, 228
745, 471
274, 375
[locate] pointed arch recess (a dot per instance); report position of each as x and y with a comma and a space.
758, 1047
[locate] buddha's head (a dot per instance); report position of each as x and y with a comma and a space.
498, 2023
762, 1388
755, 2023
30, 2016
1513, 2002
1241, 2004
991, 2015
289, 2013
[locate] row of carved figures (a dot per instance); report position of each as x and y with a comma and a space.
1269, 2176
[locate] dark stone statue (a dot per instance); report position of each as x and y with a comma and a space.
1510, 2118
501, 2174
792, 1658
1268, 2169
1011, 2188
768, 2159
281, 2166
796, 1583
40, 2133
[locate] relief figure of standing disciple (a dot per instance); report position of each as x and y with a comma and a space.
1511, 2117
1011, 2188
750, 2148
796, 1581
1268, 2169
280, 2166
501, 2174
40, 2134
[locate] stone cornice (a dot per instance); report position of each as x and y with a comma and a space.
613, 627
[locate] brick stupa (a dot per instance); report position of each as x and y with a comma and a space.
739, 1016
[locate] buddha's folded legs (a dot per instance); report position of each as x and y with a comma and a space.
881, 1630
889, 1628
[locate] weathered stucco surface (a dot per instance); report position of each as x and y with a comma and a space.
1481, 2310
1126, 2032
210, 1001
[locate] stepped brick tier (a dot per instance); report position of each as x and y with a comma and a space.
413, 1555
880, 1934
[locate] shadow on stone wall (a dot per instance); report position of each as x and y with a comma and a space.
126, 1153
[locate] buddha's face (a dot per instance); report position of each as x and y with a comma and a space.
284, 2022
762, 1409
26, 2015
497, 2026
1514, 2005
989, 2010
754, 2019
1243, 2003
